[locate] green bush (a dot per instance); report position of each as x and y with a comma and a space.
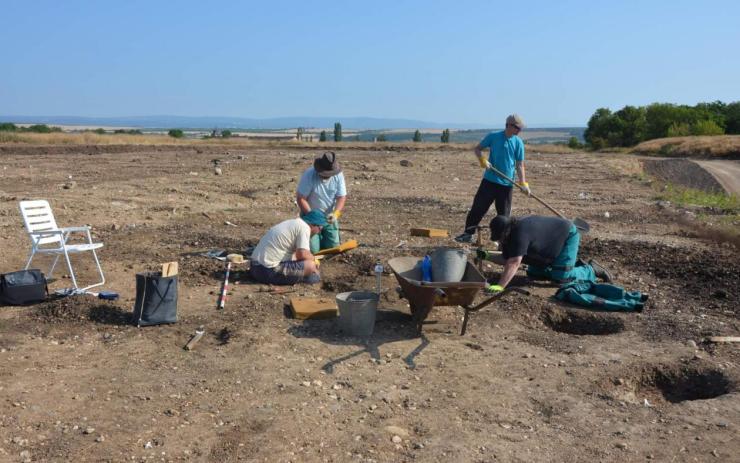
417, 137
226, 133
99, 131
128, 132
706, 127
380, 137
176, 133
573, 143
678, 129
41, 128
732, 118
8, 127
445, 138
632, 125
322, 135
337, 131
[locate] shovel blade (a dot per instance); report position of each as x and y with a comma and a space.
581, 225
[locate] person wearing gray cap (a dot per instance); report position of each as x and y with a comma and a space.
506, 153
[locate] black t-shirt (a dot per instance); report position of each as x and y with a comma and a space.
538, 239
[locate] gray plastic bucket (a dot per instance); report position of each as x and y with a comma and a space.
357, 312
448, 264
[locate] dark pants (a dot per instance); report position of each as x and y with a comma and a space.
287, 273
488, 193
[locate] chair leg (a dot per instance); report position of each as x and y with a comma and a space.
71, 271
100, 271
53, 266
30, 259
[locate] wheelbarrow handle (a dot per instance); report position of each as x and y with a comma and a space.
476, 308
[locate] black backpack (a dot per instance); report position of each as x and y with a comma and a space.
23, 287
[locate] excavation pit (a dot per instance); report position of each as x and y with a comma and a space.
680, 384
582, 324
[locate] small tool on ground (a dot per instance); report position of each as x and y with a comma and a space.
195, 338
578, 222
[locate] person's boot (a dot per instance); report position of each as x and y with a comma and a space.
600, 271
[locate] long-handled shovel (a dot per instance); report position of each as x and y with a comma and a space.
580, 224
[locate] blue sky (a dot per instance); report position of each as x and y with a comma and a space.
464, 61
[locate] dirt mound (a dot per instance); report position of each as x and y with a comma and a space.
80, 308
683, 172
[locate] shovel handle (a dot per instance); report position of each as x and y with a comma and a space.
521, 188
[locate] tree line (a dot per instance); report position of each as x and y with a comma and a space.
634, 124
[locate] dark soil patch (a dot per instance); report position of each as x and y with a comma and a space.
204, 271
697, 275
582, 323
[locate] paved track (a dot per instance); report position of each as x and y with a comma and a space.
727, 173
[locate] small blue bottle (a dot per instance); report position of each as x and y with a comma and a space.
426, 269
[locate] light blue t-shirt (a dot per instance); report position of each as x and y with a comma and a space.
320, 192
505, 152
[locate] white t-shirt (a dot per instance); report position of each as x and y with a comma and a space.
321, 193
281, 242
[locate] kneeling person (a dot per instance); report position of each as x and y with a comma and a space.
283, 256
549, 247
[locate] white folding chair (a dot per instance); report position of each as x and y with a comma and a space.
48, 238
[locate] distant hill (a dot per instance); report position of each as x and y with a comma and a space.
366, 123
529, 135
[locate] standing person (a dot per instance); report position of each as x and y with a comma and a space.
322, 189
506, 152
549, 247
282, 257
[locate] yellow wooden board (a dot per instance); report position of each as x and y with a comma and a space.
429, 232
346, 246
315, 308
169, 269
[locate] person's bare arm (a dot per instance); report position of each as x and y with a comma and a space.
520, 172
339, 206
302, 203
478, 151
510, 267
303, 254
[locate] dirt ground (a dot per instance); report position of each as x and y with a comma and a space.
532, 380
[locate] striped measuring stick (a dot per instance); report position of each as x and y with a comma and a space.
225, 287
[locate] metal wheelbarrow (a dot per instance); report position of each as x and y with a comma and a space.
423, 295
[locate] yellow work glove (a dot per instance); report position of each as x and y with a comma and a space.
484, 162
494, 289
317, 262
525, 188
333, 216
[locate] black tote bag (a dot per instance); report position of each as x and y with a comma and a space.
156, 299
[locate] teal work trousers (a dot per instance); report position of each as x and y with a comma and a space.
564, 268
327, 238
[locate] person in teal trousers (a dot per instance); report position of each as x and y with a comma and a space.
547, 245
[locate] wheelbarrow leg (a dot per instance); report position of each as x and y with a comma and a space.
478, 243
465, 321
